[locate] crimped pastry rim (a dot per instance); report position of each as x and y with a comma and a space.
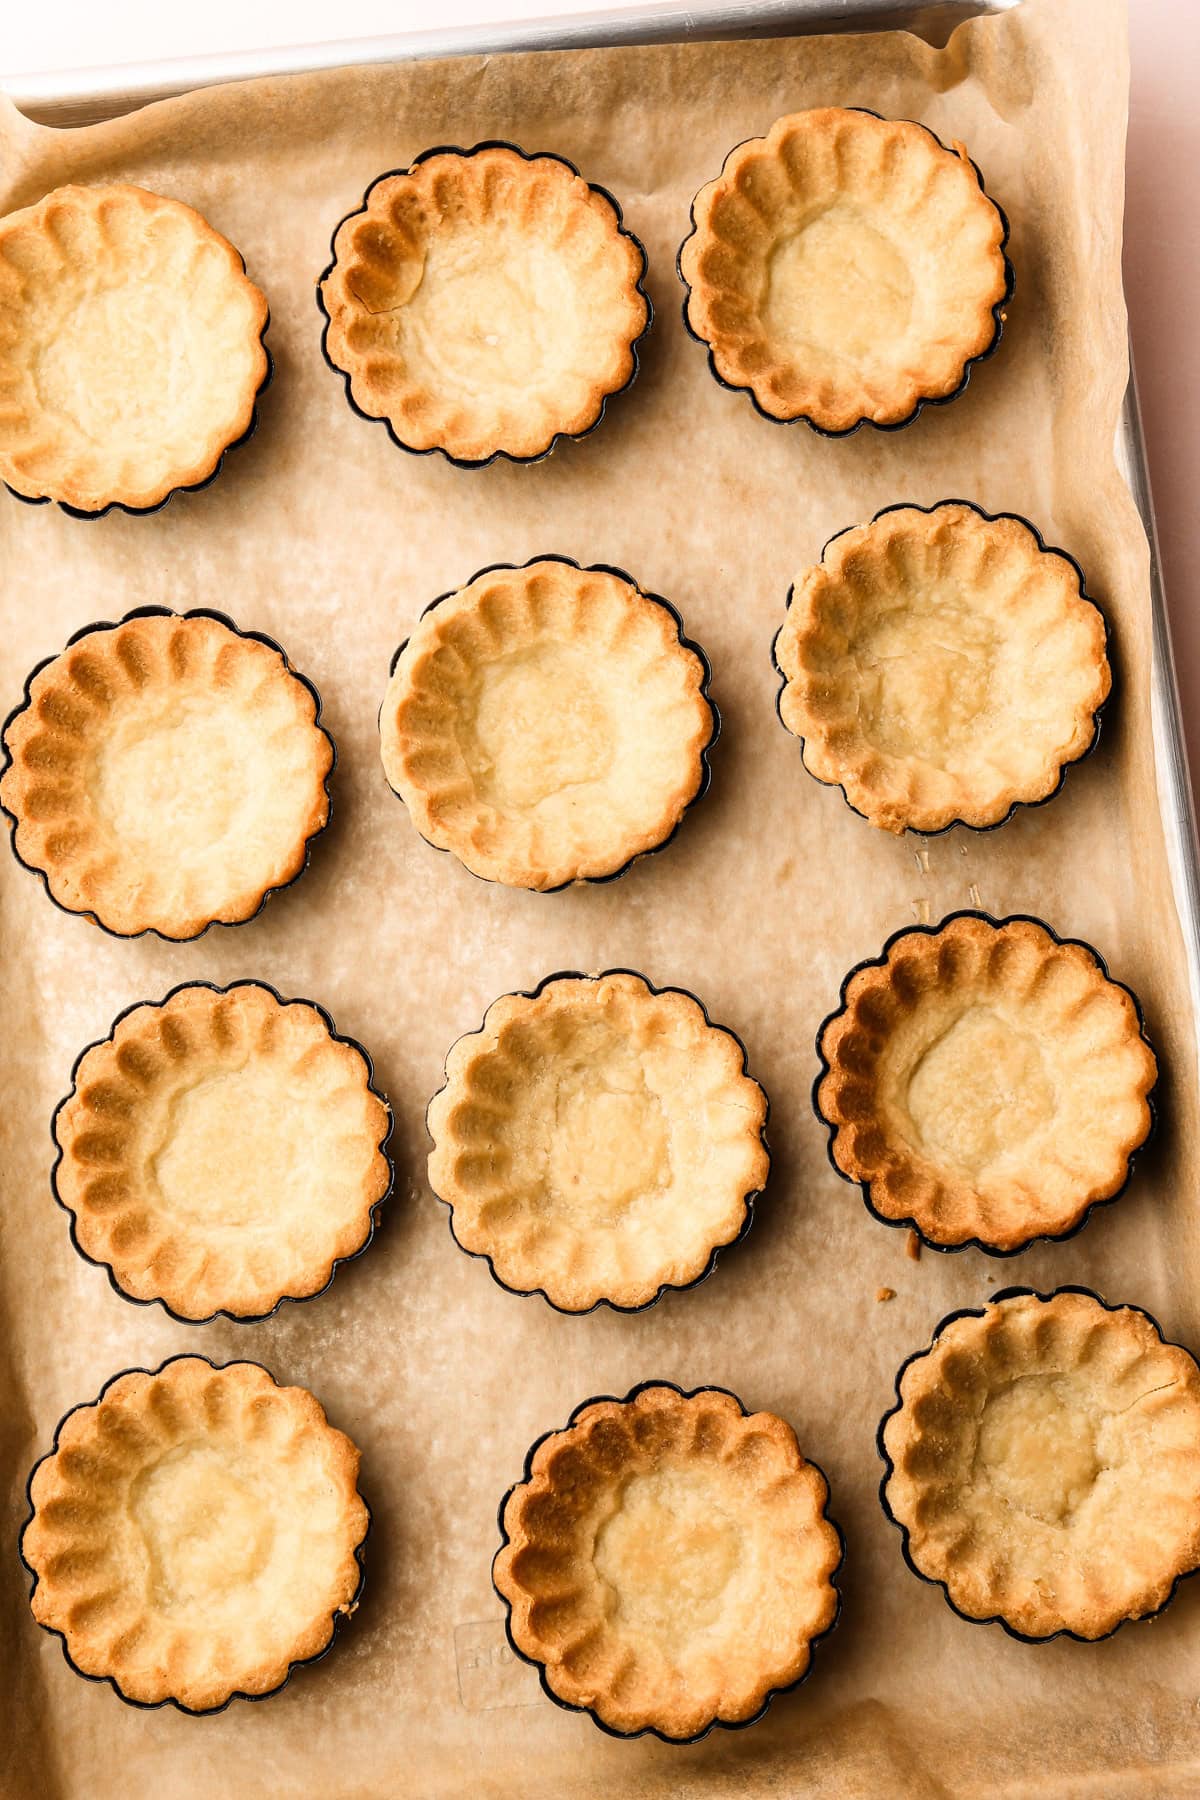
974, 1243
80, 512
159, 612
686, 643
652, 1730
1044, 549
997, 309
483, 462
337, 1619
666, 1287
979, 1312
338, 1262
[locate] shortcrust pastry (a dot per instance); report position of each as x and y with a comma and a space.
985, 1082
598, 1140
1044, 1464
221, 1151
845, 269
195, 1532
131, 348
547, 724
484, 303
942, 667
165, 773
667, 1561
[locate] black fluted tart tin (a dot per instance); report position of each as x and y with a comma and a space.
686, 642
484, 462
167, 612
997, 310
1044, 549
978, 1312
338, 1619
789, 1687
877, 962
194, 487
339, 1262
667, 1287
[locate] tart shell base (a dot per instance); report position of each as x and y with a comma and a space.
548, 724
484, 303
598, 1141
134, 357
221, 1151
195, 1533
942, 666
166, 772
668, 1562
1043, 1464
985, 1082
846, 270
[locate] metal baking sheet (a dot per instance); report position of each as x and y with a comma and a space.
487, 1678
85, 96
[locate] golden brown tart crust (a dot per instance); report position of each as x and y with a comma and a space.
195, 1532
548, 724
222, 1151
598, 1140
484, 303
131, 348
1044, 1464
667, 1561
985, 1082
942, 666
845, 269
166, 773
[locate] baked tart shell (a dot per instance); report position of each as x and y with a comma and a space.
1097, 711
749, 1199
909, 1224
506, 1542
603, 398
686, 643
206, 478
979, 1312
107, 625
802, 418
337, 1619
337, 1262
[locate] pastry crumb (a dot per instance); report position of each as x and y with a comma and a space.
885, 1293
912, 1248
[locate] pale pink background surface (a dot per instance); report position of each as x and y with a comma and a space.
1162, 282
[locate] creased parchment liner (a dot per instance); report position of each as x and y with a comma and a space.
323, 534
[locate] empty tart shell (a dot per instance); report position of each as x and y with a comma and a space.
598, 1140
1043, 1463
985, 1081
846, 269
166, 773
942, 666
195, 1533
548, 724
667, 1561
484, 303
131, 350
222, 1150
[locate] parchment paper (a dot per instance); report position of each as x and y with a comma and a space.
322, 533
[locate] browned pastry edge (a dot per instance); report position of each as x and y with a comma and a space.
900, 1187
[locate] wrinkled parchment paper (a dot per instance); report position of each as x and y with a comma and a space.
322, 533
